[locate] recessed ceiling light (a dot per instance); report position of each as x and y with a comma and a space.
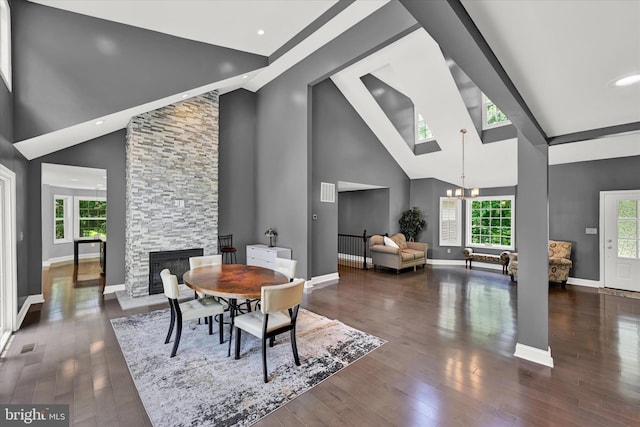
628, 80
185, 95
74, 180
99, 122
260, 32
245, 76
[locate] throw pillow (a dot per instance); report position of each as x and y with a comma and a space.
389, 242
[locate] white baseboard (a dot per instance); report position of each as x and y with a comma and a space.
112, 289
321, 279
66, 259
445, 261
584, 282
31, 299
534, 354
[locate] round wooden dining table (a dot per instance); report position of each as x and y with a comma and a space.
232, 282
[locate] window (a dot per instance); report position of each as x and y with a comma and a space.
450, 222
628, 229
90, 217
423, 133
61, 219
5, 43
491, 115
491, 222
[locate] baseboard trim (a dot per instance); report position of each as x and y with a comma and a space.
31, 299
316, 280
445, 261
534, 354
112, 289
67, 258
584, 282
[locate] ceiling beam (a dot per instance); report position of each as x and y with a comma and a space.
453, 29
594, 133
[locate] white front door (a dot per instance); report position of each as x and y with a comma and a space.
622, 240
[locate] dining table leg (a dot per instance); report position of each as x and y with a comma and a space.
232, 314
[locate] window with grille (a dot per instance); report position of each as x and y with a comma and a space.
491, 222
90, 217
61, 219
491, 114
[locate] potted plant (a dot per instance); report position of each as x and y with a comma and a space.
411, 223
273, 234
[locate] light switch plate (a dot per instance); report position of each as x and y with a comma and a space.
589, 230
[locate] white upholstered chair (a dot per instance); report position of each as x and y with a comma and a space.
188, 310
286, 267
203, 261
278, 314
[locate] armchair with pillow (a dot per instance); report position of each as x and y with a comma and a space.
395, 252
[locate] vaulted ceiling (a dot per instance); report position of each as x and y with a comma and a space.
562, 59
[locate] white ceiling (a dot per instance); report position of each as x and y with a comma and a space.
228, 23
561, 55
74, 177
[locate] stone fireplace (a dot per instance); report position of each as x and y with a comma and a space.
176, 261
171, 185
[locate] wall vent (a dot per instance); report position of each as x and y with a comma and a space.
327, 192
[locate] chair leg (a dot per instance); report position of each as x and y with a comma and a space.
294, 347
178, 334
238, 337
210, 325
264, 359
221, 327
173, 322
271, 341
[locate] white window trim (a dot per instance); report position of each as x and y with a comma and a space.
485, 125
458, 208
418, 140
68, 214
76, 211
513, 223
5, 41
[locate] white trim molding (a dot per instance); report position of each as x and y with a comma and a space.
316, 280
112, 289
445, 261
68, 258
584, 282
8, 255
31, 300
533, 354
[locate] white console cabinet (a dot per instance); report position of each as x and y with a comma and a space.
265, 256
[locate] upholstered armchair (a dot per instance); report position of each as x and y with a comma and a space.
559, 262
396, 252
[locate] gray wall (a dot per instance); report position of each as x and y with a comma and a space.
283, 166
13, 160
106, 152
73, 68
345, 149
397, 107
361, 210
49, 249
425, 194
574, 204
236, 181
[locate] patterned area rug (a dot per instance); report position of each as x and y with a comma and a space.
202, 386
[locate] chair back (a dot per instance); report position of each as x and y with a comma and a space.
286, 267
170, 284
559, 249
281, 297
201, 261
225, 241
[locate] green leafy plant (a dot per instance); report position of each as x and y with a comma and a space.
412, 222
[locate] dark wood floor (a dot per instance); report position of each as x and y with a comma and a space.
449, 359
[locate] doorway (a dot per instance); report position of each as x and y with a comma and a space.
8, 261
620, 242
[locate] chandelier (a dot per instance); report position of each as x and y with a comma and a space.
461, 192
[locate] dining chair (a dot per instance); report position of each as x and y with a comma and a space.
278, 313
188, 310
226, 248
286, 267
203, 261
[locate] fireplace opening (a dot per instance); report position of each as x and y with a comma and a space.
176, 261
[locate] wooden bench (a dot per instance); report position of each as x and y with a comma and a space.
470, 256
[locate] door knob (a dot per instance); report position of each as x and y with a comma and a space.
609, 247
